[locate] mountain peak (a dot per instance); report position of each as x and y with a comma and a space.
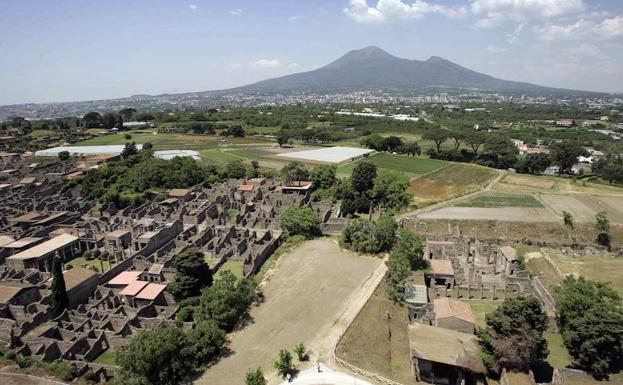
436, 59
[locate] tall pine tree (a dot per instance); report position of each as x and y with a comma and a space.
60, 301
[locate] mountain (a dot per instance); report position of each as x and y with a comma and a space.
373, 68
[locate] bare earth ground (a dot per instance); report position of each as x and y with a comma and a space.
310, 296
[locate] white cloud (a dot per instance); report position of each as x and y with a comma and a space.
266, 63
292, 19
513, 38
193, 7
235, 66
495, 49
492, 12
387, 10
606, 30
235, 12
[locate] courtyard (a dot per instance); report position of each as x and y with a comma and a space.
311, 295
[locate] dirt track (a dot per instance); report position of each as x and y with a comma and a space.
311, 296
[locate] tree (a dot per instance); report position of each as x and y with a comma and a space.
390, 190
591, 321
410, 148
366, 236
565, 155
602, 225
192, 274
567, 218
163, 355
457, 137
499, 152
534, 163
63, 155
236, 131
301, 352
147, 146
255, 377
283, 363
411, 247
295, 171
92, 120
437, 136
406, 255
226, 301
475, 139
109, 120
363, 175
513, 337
391, 143
235, 169
300, 221
128, 150
323, 176
207, 340
60, 301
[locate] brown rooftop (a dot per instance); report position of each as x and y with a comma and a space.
246, 187
441, 267
46, 247
7, 292
509, 253
125, 278
178, 192
5, 240
76, 275
448, 307
445, 346
133, 288
151, 291
22, 242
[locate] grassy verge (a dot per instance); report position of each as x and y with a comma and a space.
106, 358
558, 355
367, 346
96, 263
412, 166
235, 267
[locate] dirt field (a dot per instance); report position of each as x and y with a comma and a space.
310, 296
529, 182
519, 214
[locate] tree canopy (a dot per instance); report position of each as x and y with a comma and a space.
60, 301
513, 338
192, 274
300, 221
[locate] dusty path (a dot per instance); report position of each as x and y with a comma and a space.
326, 376
311, 296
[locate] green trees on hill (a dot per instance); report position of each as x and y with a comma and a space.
513, 338
129, 181
591, 321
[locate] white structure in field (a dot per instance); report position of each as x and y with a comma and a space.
170, 154
334, 155
85, 150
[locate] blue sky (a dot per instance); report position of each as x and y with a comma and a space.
82, 50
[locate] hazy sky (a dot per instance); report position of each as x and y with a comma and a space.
81, 50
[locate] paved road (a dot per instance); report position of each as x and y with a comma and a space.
327, 376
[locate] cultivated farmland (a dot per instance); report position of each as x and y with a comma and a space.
449, 182
411, 166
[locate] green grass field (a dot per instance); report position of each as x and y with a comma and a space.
218, 157
234, 267
558, 355
502, 201
106, 358
482, 308
81, 261
411, 166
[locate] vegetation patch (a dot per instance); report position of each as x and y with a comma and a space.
502, 201
450, 182
412, 166
367, 346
